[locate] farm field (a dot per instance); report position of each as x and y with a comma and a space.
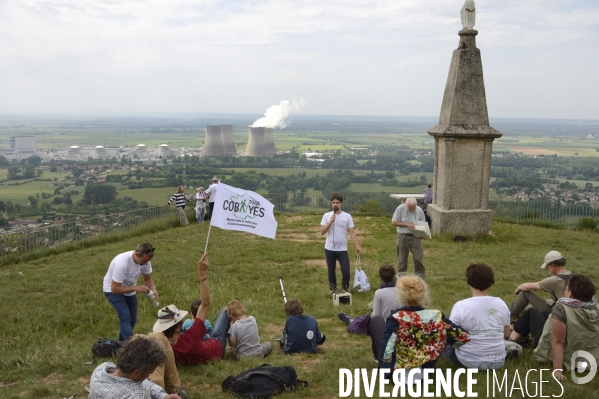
18, 194
547, 146
310, 172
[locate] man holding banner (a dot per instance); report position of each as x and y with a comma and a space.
335, 225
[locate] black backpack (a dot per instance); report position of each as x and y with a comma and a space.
263, 381
105, 347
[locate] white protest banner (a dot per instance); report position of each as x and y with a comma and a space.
243, 210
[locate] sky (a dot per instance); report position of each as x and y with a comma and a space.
342, 57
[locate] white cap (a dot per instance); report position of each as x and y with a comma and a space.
551, 257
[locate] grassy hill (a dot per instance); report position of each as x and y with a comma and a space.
53, 308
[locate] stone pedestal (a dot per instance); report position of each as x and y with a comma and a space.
463, 144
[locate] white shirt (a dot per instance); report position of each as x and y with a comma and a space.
200, 200
337, 234
212, 191
485, 318
124, 271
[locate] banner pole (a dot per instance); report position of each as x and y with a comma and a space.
208, 237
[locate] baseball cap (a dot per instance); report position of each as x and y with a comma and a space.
551, 256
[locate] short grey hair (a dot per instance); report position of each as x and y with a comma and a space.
200, 188
411, 200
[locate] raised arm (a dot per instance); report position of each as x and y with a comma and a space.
204, 290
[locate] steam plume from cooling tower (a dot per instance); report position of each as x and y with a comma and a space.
276, 115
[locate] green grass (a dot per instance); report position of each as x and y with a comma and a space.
18, 194
53, 308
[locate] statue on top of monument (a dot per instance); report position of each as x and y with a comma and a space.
468, 14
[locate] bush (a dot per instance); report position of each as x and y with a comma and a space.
587, 223
370, 207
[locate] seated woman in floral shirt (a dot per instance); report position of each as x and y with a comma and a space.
415, 337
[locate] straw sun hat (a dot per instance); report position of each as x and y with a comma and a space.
168, 317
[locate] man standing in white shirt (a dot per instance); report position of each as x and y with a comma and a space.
335, 225
211, 195
120, 285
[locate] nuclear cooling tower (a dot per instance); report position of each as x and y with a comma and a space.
260, 142
226, 132
269, 143
213, 145
255, 146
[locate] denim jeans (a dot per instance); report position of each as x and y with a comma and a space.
221, 328
200, 214
450, 355
126, 309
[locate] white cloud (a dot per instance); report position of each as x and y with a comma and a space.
241, 56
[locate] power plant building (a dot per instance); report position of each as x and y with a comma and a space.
260, 142
74, 153
22, 146
140, 150
99, 152
164, 151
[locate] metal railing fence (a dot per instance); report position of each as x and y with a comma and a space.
22, 240
313, 202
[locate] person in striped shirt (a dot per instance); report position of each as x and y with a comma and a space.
180, 198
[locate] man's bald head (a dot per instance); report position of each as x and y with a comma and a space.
411, 203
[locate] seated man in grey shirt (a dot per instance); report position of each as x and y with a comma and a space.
385, 300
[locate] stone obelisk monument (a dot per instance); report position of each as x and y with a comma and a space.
463, 143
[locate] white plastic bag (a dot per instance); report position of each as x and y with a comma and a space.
360, 278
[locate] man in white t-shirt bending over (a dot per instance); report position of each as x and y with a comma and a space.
120, 285
335, 225
486, 318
